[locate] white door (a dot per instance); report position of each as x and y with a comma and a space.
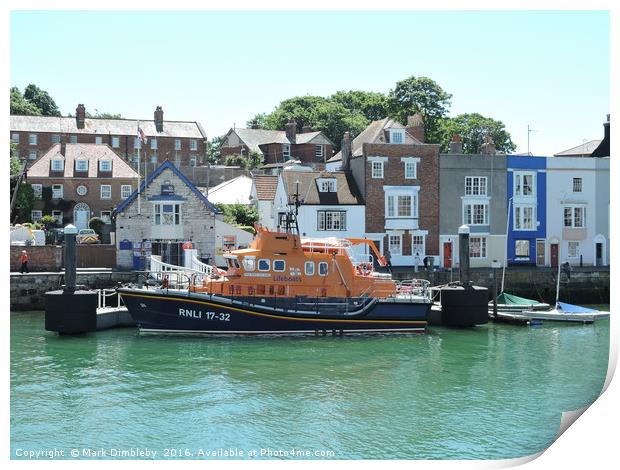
81, 214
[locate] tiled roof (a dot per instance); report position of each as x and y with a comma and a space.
373, 134
91, 152
346, 189
255, 137
166, 165
584, 149
68, 125
265, 187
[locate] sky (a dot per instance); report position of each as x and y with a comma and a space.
546, 69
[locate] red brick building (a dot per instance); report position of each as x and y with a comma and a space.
398, 175
74, 182
181, 142
279, 146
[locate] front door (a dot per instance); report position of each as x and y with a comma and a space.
81, 214
447, 255
554, 255
540, 252
599, 254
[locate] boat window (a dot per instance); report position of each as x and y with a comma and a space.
309, 268
279, 265
263, 264
249, 264
322, 269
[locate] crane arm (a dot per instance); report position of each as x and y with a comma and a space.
364, 241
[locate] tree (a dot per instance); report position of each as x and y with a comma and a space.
42, 100
24, 202
257, 121
99, 115
213, 150
472, 128
20, 106
322, 114
239, 214
255, 160
420, 96
372, 105
96, 223
16, 165
235, 160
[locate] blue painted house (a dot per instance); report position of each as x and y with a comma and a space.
527, 199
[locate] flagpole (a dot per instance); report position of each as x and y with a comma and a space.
139, 177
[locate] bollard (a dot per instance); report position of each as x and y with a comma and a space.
464, 255
70, 258
495, 265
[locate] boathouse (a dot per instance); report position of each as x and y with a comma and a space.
166, 212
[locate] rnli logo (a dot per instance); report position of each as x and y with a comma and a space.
293, 271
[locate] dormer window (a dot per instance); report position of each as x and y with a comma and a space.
397, 136
58, 164
105, 165
81, 165
327, 185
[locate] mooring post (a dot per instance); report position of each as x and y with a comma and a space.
70, 260
464, 255
495, 265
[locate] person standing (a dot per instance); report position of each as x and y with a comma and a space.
417, 260
388, 260
24, 260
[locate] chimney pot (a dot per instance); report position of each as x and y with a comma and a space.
456, 146
159, 119
488, 148
291, 131
307, 128
415, 127
80, 116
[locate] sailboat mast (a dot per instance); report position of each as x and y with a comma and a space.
557, 286
506, 251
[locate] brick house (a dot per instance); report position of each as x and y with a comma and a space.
398, 177
279, 146
74, 182
182, 142
167, 211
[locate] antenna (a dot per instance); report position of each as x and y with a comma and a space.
529, 131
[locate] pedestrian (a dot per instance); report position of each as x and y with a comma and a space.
24, 260
388, 260
417, 260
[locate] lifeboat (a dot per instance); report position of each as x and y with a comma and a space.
285, 284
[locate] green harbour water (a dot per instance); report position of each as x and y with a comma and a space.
493, 392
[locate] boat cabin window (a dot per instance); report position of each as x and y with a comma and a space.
232, 263
279, 265
309, 268
264, 264
249, 264
322, 268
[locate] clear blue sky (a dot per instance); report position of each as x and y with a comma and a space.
546, 69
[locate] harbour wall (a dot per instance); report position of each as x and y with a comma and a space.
45, 258
28, 290
587, 285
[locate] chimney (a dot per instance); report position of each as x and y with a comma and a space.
80, 116
345, 151
254, 125
415, 126
159, 119
488, 148
63, 145
291, 131
456, 146
306, 129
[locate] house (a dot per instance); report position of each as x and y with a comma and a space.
166, 212
583, 150
234, 191
331, 205
263, 195
75, 182
526, 184
279, 146
473, 193
397, 175
573, 211
182, 142
227, 238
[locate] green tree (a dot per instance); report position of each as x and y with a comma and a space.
96, 223
23, 203
99, 115
239, 214
420, 95
472, 128
258, 120
20, 106
372, 105
16, 165
235, 160
213, 150
42, 100
254, 160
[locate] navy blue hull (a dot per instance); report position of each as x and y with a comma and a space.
179, 313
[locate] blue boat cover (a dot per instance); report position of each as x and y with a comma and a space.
569, 308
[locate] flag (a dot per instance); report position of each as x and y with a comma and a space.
141, 135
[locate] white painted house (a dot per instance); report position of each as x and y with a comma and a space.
577, 218
262, 196
331, 206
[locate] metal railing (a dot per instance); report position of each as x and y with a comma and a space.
103, 294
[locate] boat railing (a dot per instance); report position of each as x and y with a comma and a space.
413, 287
176, 276
197, 265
